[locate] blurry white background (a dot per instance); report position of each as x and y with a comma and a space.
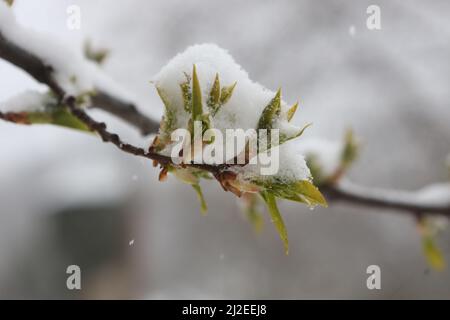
66, 198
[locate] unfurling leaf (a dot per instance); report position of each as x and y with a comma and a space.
185, 175
276, 218
351, 148
432, 253
284, 138
226, 93
96, 55
300, 191
59, 117
163, 98
197, 105
214, 96
310, 193
192, 176
271, 111
168, 122
186, 93
203, 206
251, 202
291, 111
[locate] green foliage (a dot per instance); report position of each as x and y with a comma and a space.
271, 112
299, 191
214, 96
50, 112
187, 93
351, 149
9, 2
194, 105
55, 116
276, 218
59, 117
197, 104
302, 191
203, 206
432, 253
226, 93
251, 203
219, 96
291, 111
428, 229
168, 122
96, 55
285, 138
192, 176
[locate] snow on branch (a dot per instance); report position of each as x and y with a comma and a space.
433, 199
46, 61
203, 85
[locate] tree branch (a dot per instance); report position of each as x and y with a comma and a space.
113, 138
400, 200
342, 191
43, 72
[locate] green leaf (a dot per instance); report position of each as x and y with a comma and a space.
10, 2
284, 138
197, 107
251, 204
214, 96
226, 93
168, 122
276, 218
351, 149
62, 117
96, 55
187, 93
300, 191
58, 116
192, 176
186, 175
203, 205
291, 111
163, 97
310, 193
432, 253
271, 111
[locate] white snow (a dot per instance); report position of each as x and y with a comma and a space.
435, 194
249, 98
326, 153
247, 102
74, 73
29, 100
242, 111
292, 166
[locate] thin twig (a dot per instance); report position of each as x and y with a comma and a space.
399, 200
43, 72
107, 136
341, 191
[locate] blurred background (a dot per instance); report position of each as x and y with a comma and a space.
66, 198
